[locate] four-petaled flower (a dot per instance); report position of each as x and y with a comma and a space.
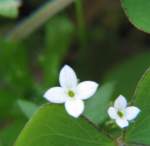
122, 113
70, 92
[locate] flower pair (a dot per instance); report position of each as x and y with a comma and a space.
72, 94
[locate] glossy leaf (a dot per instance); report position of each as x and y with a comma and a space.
139, 132
138, 12
51, 125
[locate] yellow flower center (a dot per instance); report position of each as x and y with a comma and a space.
121, 114
71, 93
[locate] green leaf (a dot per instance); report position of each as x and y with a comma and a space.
51, 125
28, 108
9, 8
127, 74
138, 12
96, 107
139, 132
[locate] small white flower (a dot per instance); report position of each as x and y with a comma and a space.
122, 113
70, 92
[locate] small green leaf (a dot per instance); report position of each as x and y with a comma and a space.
9, 8
138, 12
96, 107
52, 126
139, 132
28, 108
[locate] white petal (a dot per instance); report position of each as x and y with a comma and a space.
120, 102
74, 107
132, 112
55, 95
112, 112
86, 89
67, 77
122, 123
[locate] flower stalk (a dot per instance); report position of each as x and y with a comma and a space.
33, 22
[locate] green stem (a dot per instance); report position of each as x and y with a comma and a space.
81, 22
34, 21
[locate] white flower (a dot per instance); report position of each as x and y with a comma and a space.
70, 92
122, 113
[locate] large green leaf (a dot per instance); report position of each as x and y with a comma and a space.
9, 8
127, 74
140, 130
96, 107
138, 12
52, 126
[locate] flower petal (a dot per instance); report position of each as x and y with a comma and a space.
112, 113
74, 107
86, 89
122, 123
120, 102
132, 112
67, 77
55, 95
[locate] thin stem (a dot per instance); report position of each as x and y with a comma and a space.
124, 134
81, 22
120, 141
26, 27
96, 127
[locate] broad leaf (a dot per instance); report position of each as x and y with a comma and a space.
96, 107
52, 126
138, 12
140, 130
